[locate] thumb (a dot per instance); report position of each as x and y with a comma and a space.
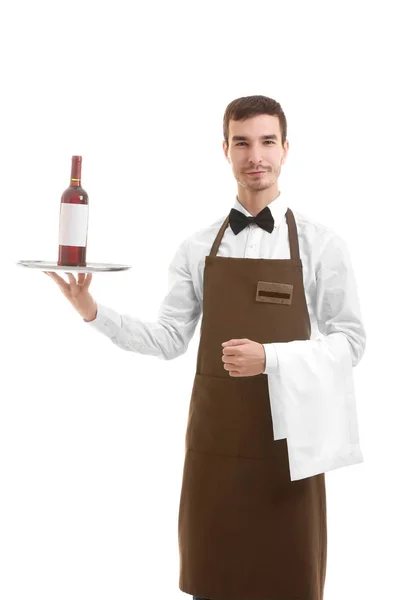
236, 342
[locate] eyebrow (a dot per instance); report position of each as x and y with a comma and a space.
236, 138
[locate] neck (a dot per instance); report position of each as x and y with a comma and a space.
254, 202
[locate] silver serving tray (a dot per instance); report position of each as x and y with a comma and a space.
43, 265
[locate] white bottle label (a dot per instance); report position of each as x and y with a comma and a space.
73, 224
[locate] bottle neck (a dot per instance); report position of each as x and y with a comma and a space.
75, 182
76, 168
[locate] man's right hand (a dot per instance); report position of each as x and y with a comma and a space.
77, 292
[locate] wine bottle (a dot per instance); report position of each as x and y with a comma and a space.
73, 224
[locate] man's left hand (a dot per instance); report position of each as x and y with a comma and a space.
243, 357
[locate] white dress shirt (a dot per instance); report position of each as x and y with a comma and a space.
310, 381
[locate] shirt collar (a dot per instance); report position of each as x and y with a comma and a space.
278, 208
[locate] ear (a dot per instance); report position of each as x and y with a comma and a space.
225, 149
285, 151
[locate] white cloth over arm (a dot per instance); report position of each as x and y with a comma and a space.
312, 394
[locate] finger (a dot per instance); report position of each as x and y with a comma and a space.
73, 284
230, 367
81, 278
234, 373
229, 360
229, 351
87, 280
59, 280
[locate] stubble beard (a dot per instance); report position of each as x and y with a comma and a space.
271, 175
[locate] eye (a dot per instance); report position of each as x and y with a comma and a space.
265, 141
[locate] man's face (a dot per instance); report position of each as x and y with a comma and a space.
255, 145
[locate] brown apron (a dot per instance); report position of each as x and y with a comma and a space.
246, 531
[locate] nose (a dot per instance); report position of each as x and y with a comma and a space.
255, 157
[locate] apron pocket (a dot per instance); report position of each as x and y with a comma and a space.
232, 417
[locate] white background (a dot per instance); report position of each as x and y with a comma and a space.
92, 437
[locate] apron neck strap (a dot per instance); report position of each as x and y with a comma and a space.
218, 239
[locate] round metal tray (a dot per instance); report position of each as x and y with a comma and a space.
43, 265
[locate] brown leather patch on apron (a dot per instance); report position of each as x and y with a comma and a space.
276, 293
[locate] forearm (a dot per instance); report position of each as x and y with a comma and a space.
165, 339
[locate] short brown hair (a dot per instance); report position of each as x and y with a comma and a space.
250, 106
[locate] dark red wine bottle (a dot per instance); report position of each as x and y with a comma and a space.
73, 226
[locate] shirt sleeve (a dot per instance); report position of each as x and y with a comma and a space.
337, 310
169, 335
271, 359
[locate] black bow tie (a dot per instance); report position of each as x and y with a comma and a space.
238, 220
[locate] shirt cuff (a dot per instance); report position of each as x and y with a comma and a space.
271, 359
107, 321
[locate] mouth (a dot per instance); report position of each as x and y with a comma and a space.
256, 173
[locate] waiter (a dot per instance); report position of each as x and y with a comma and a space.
268, 282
